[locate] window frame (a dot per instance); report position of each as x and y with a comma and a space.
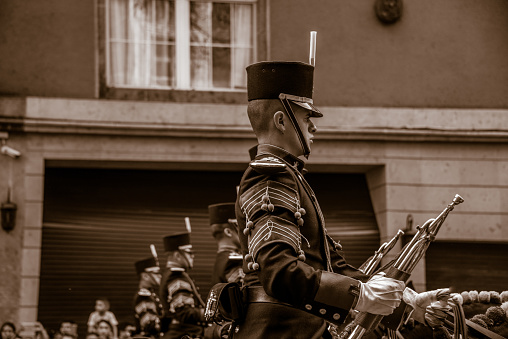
235, 96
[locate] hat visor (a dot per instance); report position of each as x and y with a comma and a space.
315, 112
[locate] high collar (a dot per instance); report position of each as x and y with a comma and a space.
296, 162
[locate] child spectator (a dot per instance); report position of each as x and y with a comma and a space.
102, 313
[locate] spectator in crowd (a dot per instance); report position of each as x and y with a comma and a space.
40, 331
102, 312
68, 327
8, 331
126, 330
104, 329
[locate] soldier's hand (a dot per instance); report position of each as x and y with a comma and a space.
429, 307
224, 331
380, 295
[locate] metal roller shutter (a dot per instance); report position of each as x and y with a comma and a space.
97, 223
466, 266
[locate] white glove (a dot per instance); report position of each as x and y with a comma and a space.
429, 307
380, 295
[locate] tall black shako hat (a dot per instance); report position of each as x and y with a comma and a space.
172, 242
293, 79
220, 215
142, 265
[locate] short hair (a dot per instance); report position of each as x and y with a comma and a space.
260, 112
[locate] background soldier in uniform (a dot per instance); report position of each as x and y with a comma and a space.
181, 299
296, 277
148, 309
228, 263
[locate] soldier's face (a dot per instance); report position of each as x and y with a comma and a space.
307, 126
188, 255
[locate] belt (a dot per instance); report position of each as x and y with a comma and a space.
258, 295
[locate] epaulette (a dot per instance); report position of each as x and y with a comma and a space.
144, 292
235, 256
177, 269
268, 165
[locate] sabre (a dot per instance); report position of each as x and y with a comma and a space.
312, 53
403, 265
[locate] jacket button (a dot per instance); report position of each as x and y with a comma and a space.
308, 307
322, 311
336, 316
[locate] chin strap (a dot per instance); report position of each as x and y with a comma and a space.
287, 107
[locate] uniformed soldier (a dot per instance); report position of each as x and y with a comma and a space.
228, 263
180, 296
296, 277
148, 309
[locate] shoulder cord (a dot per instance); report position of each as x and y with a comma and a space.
309, 191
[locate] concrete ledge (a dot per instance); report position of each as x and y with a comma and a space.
116, 117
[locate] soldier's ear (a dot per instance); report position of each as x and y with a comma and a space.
279, 121
227, 232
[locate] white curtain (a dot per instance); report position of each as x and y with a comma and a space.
201, 38
242, 43
139, 52
118, 46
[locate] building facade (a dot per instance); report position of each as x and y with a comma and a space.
130, 115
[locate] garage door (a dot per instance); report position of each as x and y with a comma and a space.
466, 266
98, 222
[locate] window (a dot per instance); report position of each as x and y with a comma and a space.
179, 44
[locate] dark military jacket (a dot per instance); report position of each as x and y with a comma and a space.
228, 268
148, 311
182, 304
288, 253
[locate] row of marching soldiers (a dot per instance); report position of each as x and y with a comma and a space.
168, 303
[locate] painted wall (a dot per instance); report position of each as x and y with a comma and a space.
439, 54
48, 48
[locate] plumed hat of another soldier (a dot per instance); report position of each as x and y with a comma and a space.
221, 214
268, 79
143, 265
174, 241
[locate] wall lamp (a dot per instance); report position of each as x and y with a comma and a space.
8, 213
